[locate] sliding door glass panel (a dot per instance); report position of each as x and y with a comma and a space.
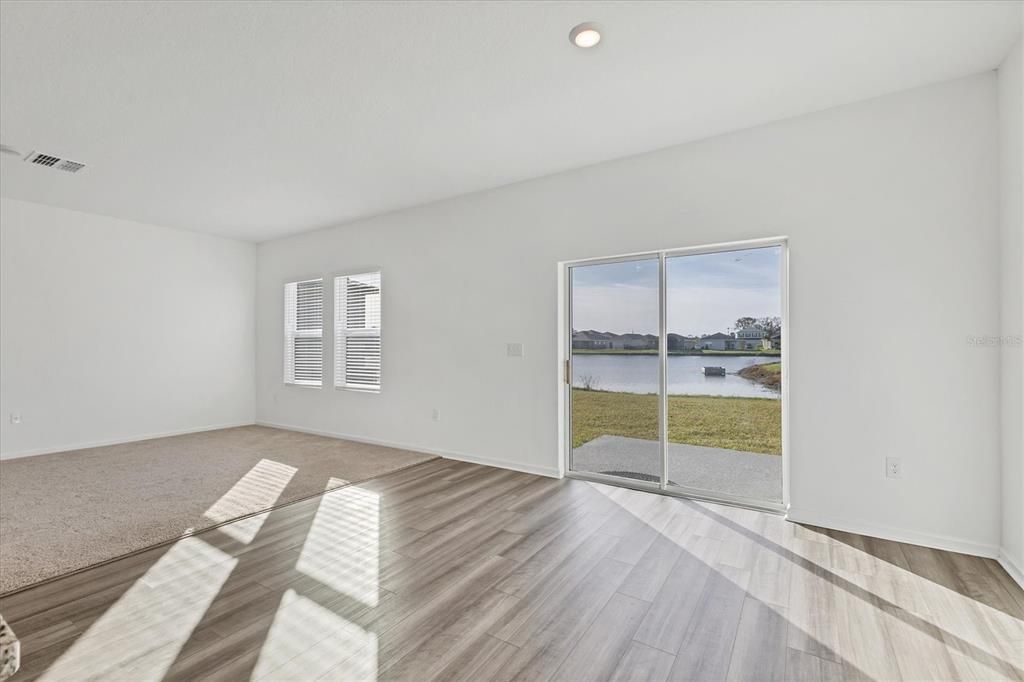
615, 369
724, 375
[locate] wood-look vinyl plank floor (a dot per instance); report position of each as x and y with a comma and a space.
455, 571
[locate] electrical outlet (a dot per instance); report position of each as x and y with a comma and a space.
893, 467
514, 350
15, 417
436, 416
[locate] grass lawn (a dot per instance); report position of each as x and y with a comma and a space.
749, 424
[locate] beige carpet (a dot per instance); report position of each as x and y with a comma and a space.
69, 510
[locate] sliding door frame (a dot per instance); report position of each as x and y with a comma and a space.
566, 372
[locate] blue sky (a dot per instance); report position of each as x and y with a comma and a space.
706, 292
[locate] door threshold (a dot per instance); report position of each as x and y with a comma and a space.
777, 508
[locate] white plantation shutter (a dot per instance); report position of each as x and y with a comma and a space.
357, 331
303, 332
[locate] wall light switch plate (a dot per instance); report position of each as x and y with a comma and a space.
893, 467
514, 350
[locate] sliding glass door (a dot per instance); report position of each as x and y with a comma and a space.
676, 370
615, 315
724, 317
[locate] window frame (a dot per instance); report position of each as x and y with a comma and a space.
296, 333
338, 331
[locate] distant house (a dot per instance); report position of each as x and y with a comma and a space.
718, 341
679, 342
752, 338
595, 340
776, 341
635, 341
591, 340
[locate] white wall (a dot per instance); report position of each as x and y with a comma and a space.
892, 210
113, 330
1011, 145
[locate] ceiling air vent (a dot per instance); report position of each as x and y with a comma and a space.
70, 166
42, 159
66, 165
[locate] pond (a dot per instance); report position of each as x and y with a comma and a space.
639, 374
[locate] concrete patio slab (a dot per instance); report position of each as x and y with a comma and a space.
746, 474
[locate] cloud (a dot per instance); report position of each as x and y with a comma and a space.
706, 292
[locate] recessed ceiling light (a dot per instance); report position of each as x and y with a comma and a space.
587, 34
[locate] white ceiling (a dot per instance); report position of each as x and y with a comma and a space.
257, 120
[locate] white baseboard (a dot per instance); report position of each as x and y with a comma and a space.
1011, 567
911, 537
551, 472
117, 441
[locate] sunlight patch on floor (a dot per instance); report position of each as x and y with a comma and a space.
259, 489
140, 635
704, 540
899, 589
325, 641
934, 600
857, 586
342, 548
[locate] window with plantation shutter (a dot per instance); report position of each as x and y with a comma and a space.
357, 331
304, 332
